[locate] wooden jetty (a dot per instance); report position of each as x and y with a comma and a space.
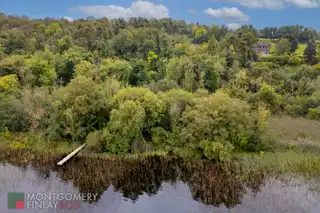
60, 163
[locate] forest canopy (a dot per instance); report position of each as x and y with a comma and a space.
143, 85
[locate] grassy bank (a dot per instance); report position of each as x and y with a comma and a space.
293, 163
297, 151
298, 134
32, 144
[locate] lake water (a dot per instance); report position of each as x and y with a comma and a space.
158, 193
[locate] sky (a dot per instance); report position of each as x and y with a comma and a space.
233, 13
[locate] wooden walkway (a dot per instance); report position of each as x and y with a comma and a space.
60, 163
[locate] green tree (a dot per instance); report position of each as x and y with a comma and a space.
177, 68
269, 97
1, 51
135, 112
310, 53
124, 128
123, 43
64, 43
283, 46
14, 41
217, 124
163, 85
139, 75
117, 69
12, 64
200, 35
85, 68
294, 43
78, 109
43, 73
12, 114
230, 56
9, 84
53, 29
152, 59
148, 45
166, 135
73, 56
212, 67
212, 44
150, 102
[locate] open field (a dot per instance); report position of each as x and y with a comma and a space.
301, 49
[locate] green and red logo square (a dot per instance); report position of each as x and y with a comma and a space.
15, 200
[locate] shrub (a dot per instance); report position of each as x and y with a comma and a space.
314, 113
9, 84
262, 69
218, 119
27, 110
268, 96
294, 110
37, 105
298, 106
295, 61
201, 93
281, 60
215, 150
12, 114
269, 65
12, 64
317, 66
306, 71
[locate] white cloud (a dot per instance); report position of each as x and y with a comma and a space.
233, 26
304, 3
276, 4
68, 18
137, 9
193, 11
270, 4
231, 13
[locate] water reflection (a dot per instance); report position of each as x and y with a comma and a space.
209, 183
158, 185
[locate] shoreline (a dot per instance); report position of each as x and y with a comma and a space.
282, 162
296, 151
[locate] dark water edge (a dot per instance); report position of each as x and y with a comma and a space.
157, 184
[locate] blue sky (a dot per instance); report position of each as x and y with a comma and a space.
260, 13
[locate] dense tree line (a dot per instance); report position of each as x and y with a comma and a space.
298, 32
141, 85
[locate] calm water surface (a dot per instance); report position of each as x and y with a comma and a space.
160, 196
